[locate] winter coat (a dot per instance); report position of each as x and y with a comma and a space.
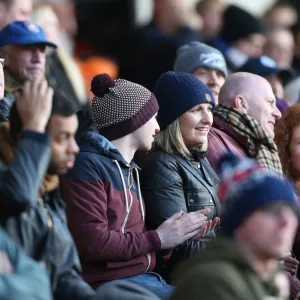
21, 179
42, 228
19, 182
106, 213
28, 280
221, 139
171, 183
222, 272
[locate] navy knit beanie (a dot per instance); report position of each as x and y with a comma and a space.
245, 187
177, 93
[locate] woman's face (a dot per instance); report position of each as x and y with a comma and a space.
295, 149
195, 125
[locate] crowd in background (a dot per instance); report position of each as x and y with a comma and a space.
166, 170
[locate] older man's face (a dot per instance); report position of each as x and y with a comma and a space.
25, 62
262, 106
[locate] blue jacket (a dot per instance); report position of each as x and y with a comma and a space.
28, 280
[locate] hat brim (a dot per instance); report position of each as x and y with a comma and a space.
36, 42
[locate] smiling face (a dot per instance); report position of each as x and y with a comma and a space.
212, 78
195, 125
262, 106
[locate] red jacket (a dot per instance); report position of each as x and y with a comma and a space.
106, 214
223, 138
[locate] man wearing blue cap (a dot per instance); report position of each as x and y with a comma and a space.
259, 221
23, 45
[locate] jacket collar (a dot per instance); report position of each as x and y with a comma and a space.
239, 138
99, 144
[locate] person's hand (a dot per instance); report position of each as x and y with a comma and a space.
179, 228
34, 105
207, 227
5, 263
290, 265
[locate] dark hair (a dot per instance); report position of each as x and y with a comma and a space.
61, 106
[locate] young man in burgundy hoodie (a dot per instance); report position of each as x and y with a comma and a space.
105, 209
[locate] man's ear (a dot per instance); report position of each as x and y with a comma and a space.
240, 103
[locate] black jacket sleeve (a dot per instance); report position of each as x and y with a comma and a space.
21, 179
162, 189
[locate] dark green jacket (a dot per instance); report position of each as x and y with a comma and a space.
222, 273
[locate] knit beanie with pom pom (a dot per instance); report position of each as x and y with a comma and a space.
120, 107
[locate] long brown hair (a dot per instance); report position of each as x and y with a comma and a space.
283, 134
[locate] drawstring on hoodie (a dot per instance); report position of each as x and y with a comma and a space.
140, 193
130, 182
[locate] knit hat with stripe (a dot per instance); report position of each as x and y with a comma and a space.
120, 107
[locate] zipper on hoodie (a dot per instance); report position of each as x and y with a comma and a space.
149, 261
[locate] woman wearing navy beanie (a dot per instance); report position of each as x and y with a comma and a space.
176, 176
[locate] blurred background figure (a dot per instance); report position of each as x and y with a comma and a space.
205, 63
266, 67
211, 12
14, 10
152, 49
296, 33
241, 37
281, 14
280, 46
62, 72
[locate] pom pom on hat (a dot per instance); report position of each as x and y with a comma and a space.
101, 83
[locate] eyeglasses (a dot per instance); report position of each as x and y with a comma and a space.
2, 60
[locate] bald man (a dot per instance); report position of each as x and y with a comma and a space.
244, 121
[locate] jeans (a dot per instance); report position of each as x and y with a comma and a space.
154, 283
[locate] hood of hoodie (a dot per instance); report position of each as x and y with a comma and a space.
93, 142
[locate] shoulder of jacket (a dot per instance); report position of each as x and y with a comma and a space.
159, 170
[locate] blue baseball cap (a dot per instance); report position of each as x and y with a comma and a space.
265, 66
23, 33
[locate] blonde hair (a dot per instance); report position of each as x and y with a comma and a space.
171, 141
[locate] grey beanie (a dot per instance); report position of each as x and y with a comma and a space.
195, 54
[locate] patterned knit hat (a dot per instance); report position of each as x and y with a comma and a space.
120, 107
245, 187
